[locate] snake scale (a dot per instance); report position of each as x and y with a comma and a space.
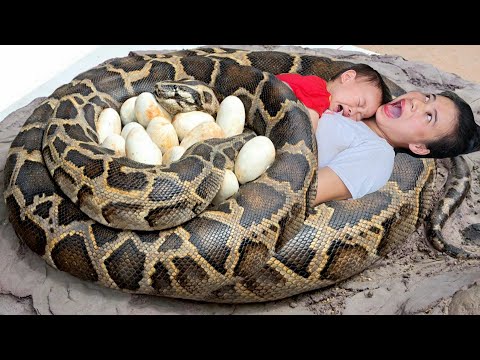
76, 205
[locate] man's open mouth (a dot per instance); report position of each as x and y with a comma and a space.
394, 110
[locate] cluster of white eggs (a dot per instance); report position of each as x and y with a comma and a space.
145, 132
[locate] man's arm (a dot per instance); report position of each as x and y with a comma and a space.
330, 187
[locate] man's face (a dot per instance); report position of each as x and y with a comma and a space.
415, 119
355, 98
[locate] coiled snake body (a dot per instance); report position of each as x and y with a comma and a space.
72, 201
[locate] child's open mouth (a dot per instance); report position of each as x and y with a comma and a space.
339, 108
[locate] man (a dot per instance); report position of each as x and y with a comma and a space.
427, 125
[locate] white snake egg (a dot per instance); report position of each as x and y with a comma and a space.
255, 157
231, 116
162, 133
186, 122
116, 143
202, 132
173, 154
147, 108
127, 128
139, 147
229, 188
108, 123
127, 111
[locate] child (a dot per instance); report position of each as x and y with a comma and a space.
356, 92
346, 148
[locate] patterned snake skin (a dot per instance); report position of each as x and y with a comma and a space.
150, 230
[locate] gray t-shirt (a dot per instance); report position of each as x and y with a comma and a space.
362, 159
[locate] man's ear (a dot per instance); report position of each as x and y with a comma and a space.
419, 149
348, 75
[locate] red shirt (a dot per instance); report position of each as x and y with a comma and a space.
311, 90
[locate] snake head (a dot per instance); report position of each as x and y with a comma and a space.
185, 96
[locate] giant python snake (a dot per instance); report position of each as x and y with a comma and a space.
151, 230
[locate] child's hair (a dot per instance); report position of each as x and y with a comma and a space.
368, 74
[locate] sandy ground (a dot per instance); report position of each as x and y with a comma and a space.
413, 279
463, 60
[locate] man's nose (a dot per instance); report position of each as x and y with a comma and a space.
417, 105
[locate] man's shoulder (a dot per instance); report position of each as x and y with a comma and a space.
329, 112
331, 116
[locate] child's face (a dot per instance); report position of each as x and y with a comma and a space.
355, 98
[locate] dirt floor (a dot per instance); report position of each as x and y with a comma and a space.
463, 60
413, 279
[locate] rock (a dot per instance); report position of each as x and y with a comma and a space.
466, 302
11, 305
411, 298
379, 301
472, 234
